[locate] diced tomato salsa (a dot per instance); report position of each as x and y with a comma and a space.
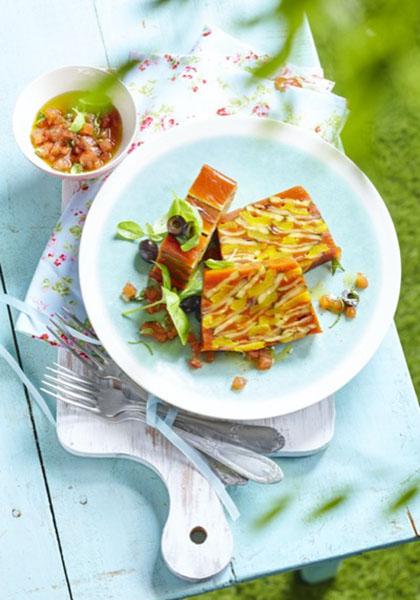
73, 141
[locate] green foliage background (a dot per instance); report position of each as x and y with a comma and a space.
371, 48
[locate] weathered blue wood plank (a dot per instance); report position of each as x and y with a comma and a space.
136, 25
27, 533
35, 38
110, 512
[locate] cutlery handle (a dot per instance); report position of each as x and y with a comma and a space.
247, 463
260, 438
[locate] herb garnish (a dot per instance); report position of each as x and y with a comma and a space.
194, 285
336, 321
144, 344
129, 230
78, 121
336, 266
156, 232
219, 264
190, 214
172, 300
76, 168
132, 231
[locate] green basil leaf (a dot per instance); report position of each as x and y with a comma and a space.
154, 233
191, 215
192, 242
178, 316
336, 265
78, 121
76, 168
219, 264
166, 277
194, 285
129, 230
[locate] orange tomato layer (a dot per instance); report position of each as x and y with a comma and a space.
211, 193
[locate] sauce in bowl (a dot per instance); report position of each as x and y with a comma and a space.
75, 136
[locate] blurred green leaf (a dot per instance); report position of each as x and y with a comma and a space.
404, 498
328, 506
280, 505
96, 99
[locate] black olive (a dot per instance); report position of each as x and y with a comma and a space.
350, 297
188, 230
191, 304
148, 250
176, 225
197, 314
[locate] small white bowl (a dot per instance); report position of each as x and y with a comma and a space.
59, 81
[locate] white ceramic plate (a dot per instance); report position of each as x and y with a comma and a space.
264, 157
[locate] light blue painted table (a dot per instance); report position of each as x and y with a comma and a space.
81, 529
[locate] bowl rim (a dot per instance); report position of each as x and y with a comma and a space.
42, 165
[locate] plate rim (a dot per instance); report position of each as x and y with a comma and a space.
305, 140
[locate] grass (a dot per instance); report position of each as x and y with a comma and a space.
381, 575
394, 168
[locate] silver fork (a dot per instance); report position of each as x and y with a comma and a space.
105, 374
259, 438
244, 461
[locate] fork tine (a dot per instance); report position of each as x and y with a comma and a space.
70, 376
70, 385
65, 344
84, 349
66, 392
93, 348
75, 334
92, 409
78, 322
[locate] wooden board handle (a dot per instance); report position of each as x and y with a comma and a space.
196, 541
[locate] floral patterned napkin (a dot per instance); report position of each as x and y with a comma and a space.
170, 90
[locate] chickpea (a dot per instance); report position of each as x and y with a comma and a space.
325, 302
350, 312
238, 384
337, 306
361, 281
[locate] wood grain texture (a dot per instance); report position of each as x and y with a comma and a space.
26, 528
193, 504
110, 512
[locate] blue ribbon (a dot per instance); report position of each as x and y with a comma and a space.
37, 316
155, 421
152, 417
35, 395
